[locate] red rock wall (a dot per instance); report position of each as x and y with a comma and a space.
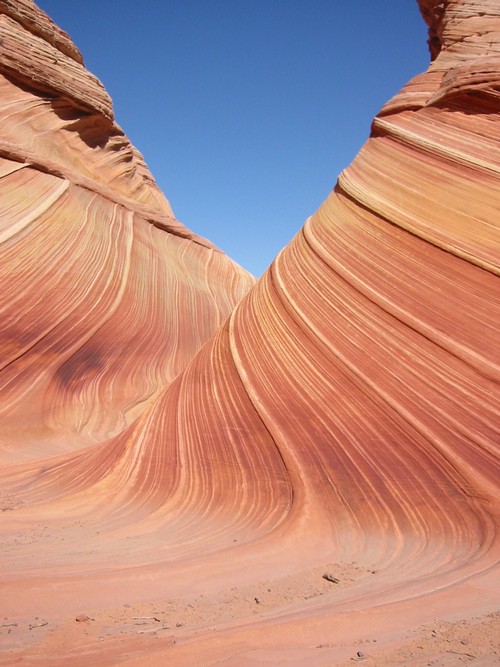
106, 296
347, 411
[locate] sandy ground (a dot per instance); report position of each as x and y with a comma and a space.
474, 641
151, 633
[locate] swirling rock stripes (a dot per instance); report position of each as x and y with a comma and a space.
459, 232
87, 149
340, 447
44, 192
64, 320
174, 478
80, 217
170, 430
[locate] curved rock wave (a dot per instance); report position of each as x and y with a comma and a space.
169, 432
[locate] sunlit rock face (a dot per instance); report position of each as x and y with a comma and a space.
204, 469
105, 295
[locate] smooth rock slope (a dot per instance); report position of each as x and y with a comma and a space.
106, 296
176, 482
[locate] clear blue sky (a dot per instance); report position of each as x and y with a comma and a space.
246, 111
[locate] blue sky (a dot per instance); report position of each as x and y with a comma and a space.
246, 111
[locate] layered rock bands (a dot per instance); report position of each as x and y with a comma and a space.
169, 429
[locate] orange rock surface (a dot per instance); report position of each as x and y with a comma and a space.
185, 454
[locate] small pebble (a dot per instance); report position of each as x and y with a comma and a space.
82, 618
360, 655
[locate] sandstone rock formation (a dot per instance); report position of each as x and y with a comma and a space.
184, 480
106, 296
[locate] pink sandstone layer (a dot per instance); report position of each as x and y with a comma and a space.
186, 453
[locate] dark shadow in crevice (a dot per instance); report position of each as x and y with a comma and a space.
93, 128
